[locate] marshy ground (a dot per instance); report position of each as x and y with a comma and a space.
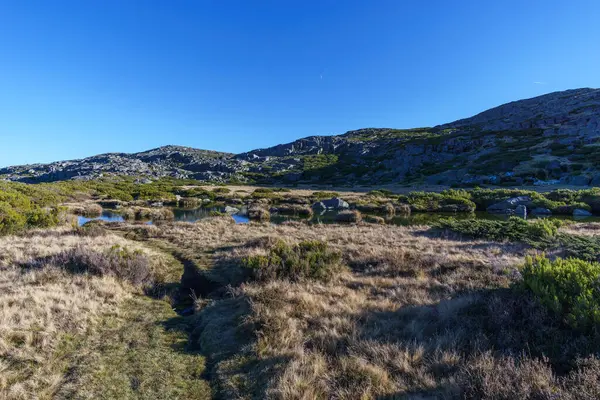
351, 310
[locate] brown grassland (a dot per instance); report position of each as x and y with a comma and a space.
215, 309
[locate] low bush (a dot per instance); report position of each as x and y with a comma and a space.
19, 212
265, 193
306, 260
569, 287
440, 202
87, 209
148, 214
583, 247
130, 265
258, 214
513, 229
568, 209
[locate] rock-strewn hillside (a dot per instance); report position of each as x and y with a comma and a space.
174, 161
548, 139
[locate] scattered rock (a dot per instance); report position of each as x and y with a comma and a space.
319, 206
579, 212
521, 211
509, 205
231, 210
541, 211
595, 181
578, 180
335, 204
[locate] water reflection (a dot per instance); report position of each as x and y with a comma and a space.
195, 214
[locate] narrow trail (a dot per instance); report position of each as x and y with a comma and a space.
144, 350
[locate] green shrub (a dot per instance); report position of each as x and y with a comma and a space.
43, 218
11, 221
221, 190
265, 193
568, 209
318, 161
306, 260
583, 247
569, 287
513, 229
590, 197
18, 211
440, 202
562, 195
381, 193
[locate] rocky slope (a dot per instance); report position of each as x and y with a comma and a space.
554, 138
173, 161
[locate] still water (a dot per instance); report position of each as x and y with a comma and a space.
195, 214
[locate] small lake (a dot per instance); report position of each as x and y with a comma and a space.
195, 214
181, 214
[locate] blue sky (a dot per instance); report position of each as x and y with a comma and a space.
78, 78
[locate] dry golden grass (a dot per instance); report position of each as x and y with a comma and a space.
46, 311
41, 305
415, 316
584, 229
410, 315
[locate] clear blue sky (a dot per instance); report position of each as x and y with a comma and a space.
79, 78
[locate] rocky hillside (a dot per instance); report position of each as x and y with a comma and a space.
545, 140
173, 161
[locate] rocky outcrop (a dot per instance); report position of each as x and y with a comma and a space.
331, 204
542, 141
579, 212
509, 206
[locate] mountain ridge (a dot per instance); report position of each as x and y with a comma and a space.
552, 138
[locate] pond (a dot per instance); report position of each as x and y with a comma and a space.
181, 214
195, 214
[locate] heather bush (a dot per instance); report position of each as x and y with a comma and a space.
311, 259
130, 265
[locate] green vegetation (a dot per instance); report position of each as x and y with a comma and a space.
541, 234
447, 201
318, 161
311, 259
324, 195
22, 208
141, 353
568, 287
514, 229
